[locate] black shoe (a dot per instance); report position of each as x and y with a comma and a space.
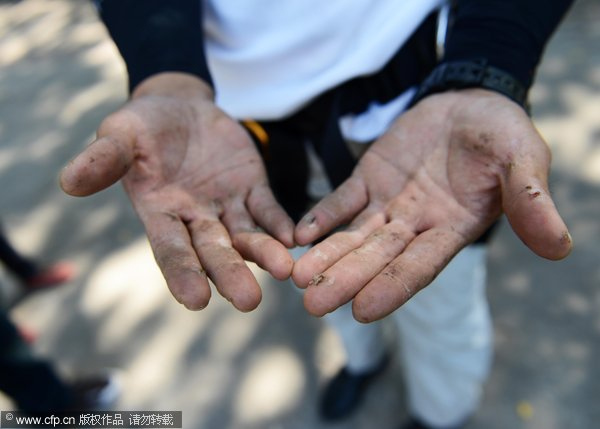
346, 390
413, 423
95, 393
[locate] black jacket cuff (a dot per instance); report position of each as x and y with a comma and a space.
509, 34
155, 36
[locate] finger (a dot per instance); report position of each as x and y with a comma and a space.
529, 207
223, 264
269, 215
335, 209
99, 166
340, 283
177, 259
333, 248
422, 260
266, 252
255, 245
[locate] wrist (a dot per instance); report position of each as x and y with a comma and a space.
173, 84
456, 75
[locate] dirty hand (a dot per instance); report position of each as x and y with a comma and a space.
437, 180
197, 183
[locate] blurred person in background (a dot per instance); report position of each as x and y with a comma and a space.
34, 384
31, 382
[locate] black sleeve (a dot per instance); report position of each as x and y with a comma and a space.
509, 34
156, 36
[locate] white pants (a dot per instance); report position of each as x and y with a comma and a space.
445, 338
445, 331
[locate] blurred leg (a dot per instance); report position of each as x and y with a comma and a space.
366, 358
29, 381
17, 264
446, 342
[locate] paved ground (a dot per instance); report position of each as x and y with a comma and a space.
60, 76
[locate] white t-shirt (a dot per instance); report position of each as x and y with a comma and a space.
269, 58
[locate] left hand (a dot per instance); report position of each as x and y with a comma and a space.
431, 185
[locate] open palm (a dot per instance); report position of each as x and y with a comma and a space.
199, 186
434, 183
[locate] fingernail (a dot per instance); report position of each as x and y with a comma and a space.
309, 219
566, 238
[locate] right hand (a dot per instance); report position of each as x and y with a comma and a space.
197, 183
433, 183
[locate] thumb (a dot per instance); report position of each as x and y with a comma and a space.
530, 209
100, 165
333, 210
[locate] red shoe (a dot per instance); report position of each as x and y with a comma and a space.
53, 275
28, 335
